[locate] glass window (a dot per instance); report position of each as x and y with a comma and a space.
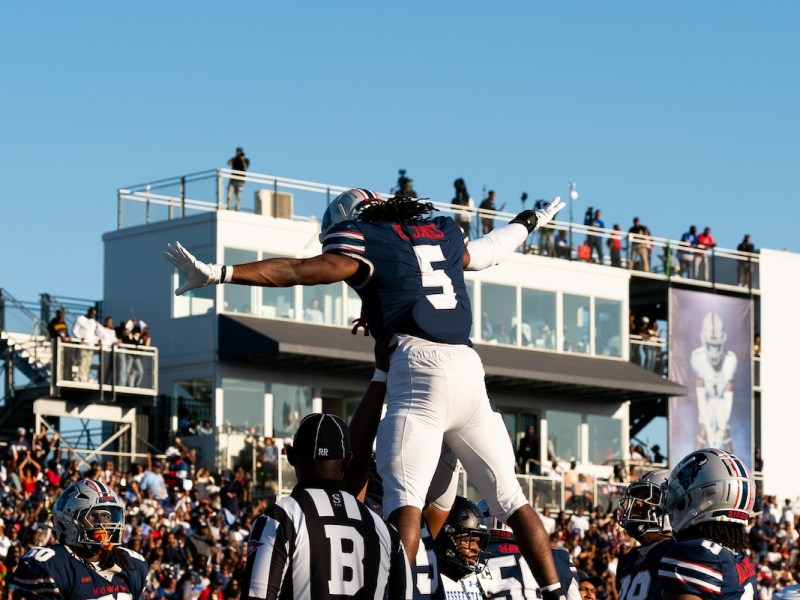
471, 293
243, 404
276, 303
608, 327
194, 302
605, 439
563, 435
576, 323
352, 305
194, 401
499, 304
539, 319
290, 403
238, 298
323, 304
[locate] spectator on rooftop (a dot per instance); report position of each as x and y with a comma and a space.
744, 268
594, 239
639, 240
705, 242
686, 252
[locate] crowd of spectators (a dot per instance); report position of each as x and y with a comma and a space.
691, 258
90, 366
192, 525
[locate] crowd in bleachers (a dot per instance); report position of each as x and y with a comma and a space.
192, 525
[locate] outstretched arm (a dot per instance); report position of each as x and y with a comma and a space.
500, 243
364, 423
273, 272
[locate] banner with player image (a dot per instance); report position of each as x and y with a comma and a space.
709, 353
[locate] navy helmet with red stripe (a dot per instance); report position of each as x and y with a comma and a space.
346, 207
708, 485
89, 516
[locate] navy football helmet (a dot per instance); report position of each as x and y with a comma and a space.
463, 537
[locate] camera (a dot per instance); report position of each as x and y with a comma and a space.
588, 218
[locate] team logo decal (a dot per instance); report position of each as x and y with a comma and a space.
691, 469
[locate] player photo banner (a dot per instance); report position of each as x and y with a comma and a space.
709, 353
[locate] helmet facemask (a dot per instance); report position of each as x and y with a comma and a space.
639, 511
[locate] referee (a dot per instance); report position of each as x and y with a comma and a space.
320, 542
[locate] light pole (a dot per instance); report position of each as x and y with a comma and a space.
573, 197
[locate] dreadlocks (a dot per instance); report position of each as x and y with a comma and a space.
398, 209
730, 535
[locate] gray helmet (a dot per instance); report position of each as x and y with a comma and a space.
346, 207
708, 485
88, 515
638, 509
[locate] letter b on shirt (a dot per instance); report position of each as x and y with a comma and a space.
347, 560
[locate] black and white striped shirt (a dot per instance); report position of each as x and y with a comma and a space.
321, 543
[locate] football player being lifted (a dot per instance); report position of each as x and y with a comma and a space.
88, 563
714, 369
637, 571
709, 499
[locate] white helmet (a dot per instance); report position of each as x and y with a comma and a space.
708, 485
346, 207
88, 515
713, 336
638, 509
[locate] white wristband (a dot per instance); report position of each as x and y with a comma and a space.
379, 376
227, 274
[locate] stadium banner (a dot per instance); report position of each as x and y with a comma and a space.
710, 346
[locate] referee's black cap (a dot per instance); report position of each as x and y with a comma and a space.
321, 436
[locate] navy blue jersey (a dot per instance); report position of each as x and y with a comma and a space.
412, 276
425, 570
54, 572
507, 575
706, 569
637, 571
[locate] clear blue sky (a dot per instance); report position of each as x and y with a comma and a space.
681, 113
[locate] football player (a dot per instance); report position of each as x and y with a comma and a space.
507, 575
637, 570
714, 369
88, 563
459, 545
409, 273
709, 499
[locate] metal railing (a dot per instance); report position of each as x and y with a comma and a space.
121, 368
206, 191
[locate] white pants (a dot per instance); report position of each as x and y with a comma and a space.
436, 393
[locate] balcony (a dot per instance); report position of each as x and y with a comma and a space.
121, 369
278, 197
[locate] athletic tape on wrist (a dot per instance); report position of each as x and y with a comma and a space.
227, 274
379, 376
552, 587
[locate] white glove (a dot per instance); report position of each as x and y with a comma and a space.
535, 219
197, 274
546, 214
